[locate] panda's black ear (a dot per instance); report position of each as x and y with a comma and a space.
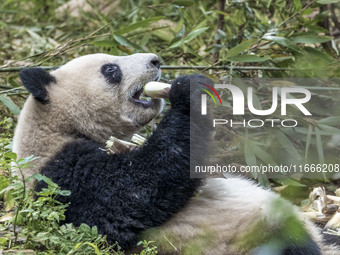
35, 80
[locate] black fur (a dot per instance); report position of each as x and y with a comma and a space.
126, 193
112, 73
309, 247
331, 239
35, 80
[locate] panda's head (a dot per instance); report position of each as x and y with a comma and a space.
95, 95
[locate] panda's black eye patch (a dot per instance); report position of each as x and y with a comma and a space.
112, 73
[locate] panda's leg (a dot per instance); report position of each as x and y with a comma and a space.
234, 216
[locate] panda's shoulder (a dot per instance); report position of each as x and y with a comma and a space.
77, 154
81, 147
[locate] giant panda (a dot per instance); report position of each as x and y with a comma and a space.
146, 193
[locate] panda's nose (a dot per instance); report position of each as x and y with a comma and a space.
155, 62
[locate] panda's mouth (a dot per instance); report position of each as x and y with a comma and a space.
138, 97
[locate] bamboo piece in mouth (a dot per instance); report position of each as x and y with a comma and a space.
155, 89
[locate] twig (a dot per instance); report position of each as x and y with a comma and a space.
21, 203
326, 25
11, 90
268, 68
334, 18
220, 26
297, 13
165, 67
57, 50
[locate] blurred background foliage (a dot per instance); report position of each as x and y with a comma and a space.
223, 39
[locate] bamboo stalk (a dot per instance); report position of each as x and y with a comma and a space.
165, 67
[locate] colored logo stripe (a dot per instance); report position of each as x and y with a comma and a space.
208, 86
206, 91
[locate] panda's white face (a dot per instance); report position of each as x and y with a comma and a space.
100, 94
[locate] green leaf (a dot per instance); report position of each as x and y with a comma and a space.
4, 182
179, 35
3, 241
263, 155
11, 155
286, 144
77, 246
330, 130
53, 215
319, 146
7, 217
163, 34
330, 121
189, 37
94, 231
298, 4
222, 13
256, 102
9, 200
249, 155
308, 140
13, 82
105, 43
248, 58
176, 44
145, 40
268, 3
125, 42
10, 104
94, 247
290, 182
25, 161
138, 24
283, 42
195, 33
40, 177
65, 193
185, 3
310, 39
84, 228
316, 28
240, 48
327, 1
6, 189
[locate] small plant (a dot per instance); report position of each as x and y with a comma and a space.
148, 247
31, 220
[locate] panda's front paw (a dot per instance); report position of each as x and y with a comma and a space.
186, 92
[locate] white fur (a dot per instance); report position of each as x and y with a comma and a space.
227, 209
82, 102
